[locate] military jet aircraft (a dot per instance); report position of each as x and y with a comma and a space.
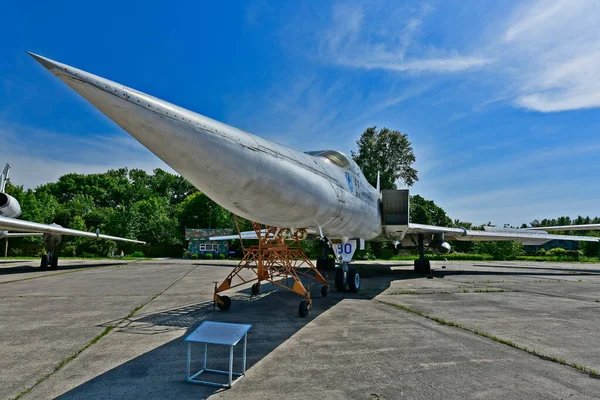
10, 210
321, 192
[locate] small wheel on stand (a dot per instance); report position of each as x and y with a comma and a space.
324, 290
223, 302
255, 289
303, 309
339, 280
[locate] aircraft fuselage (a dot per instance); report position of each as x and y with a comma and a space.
250, 176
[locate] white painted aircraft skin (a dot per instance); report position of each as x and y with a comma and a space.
250, 176
565, 228
256, 178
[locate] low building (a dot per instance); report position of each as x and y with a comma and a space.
198, 242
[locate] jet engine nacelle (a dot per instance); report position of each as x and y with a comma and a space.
441, 247
9, 206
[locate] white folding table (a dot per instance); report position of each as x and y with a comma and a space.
220, 333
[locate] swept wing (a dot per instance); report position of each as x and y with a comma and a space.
587, 227
12, 224
525, 236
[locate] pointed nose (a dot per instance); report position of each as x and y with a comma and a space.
46, 62
214, 157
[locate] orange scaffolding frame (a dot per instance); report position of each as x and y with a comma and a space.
279, 259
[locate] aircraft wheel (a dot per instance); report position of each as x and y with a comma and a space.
331, 263
44, 261
54, 262
303, 309
353, 280
224, 303
324, 290
255, 289
339, 280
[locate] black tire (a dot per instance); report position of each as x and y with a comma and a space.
324, 290
54, 262
255, 289
224, 304
353, 280
339, 280
303, 309
44, 261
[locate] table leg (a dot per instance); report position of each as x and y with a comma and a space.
189, 358
244, 360
230, 365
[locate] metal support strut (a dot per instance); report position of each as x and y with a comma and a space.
279, 259
422, 265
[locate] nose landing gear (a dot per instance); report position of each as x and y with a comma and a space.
347, 279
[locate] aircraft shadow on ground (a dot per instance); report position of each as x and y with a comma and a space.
273, 315
23, 267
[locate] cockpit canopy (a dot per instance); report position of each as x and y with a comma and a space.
337, 158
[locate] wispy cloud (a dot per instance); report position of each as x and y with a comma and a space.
38, 156
372, 38
553, 53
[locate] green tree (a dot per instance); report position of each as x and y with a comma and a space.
156, 225
591, 249
198, 211
388, 152
427, 212
500, 250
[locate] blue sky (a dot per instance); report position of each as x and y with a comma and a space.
500, 99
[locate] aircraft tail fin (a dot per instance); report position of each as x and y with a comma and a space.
4, 177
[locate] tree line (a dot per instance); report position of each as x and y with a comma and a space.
157, 207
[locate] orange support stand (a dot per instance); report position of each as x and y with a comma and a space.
279, 259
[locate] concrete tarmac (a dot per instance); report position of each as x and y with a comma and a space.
476, 330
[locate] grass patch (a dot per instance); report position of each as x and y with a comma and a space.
591, 372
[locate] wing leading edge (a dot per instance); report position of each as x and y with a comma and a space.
12, 224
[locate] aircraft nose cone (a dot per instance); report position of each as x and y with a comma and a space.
46, 62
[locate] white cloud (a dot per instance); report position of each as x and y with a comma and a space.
552, 50
545, 53
38, 156
371, 38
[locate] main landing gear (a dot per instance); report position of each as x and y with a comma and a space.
49, 261
347, 278
422, 266
279, 259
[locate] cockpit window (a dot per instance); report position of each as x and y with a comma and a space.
336, 157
